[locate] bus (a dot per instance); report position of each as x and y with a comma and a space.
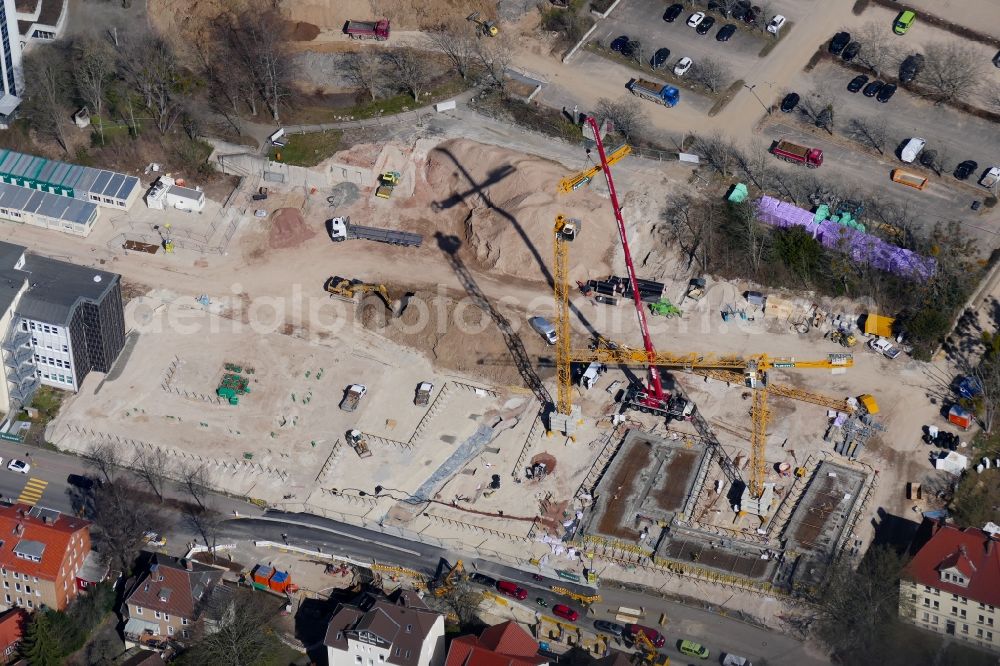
910, 179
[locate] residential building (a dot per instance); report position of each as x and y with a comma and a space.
41, 20
41, 553
58, 322
12, 626
399, 630
504, 644
11, 67
952, 585
165, 601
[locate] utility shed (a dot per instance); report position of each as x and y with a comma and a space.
165, 192
878, 325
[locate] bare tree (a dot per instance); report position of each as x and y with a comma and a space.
628, 118
691, 226
366, 71
122, 519
207, 523
872, 131
263, 52
196, 482
48, 80
411, 69
824, 118
456, 41
951, 69
495, 56
240, 636
757, 163
881, 50
710, 73
105, 459
94, 67
464, 600
719, 151
937, 159
152, 71
151, 465
754, 235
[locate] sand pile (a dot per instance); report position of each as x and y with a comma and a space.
507, 204
288, 229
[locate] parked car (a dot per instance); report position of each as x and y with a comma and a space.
991, 177
886, 92
965, 169
857, 83
18, 466
884, 347
565, 612
616, 630
695, 19
912, 149
483, 579
82, 482
735, 660
512, 590
776, 23
839, 41
660, 58
682, 66
705, 25
872, 88
910, 67
725, 32
692, 649
904, 21
544, 328
673, 11
655, 637
790, 102
619, 44
851, 51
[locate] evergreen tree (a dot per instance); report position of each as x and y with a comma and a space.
41, 645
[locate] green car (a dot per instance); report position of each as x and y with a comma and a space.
692, 649
903, 22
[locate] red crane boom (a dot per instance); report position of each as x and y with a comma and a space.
654, 396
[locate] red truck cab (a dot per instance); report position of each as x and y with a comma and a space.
512, 590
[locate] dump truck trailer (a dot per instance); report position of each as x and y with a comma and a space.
655, 92
793, 152
341, 229
368, 29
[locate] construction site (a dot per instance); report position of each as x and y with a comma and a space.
369, 349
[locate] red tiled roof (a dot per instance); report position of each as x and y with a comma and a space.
18, 526
170, 587
504, 644
12, 626
971, 551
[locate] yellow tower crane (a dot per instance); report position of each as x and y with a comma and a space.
749, 369
576, 181
564, 417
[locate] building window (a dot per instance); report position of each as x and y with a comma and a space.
138, 610
31, 604
357, 659
954, 610
185, 633
27, 588
965, 628
184, 621
156, 614
7, 599
961, 613
989, 635
937, 606
17, 586
170, 630
979, 633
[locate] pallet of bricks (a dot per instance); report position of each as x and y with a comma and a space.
233, 383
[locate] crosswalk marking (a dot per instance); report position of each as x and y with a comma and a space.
32, 492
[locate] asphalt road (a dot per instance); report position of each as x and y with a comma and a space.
719, 633
45, 483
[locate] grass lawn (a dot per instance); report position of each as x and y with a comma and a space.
387, 106
307, 150
47, 401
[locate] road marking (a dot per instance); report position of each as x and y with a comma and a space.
353, 537
32, 492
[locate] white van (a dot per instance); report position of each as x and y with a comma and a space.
912, 149
544, 328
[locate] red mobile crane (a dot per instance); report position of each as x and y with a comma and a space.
650, 398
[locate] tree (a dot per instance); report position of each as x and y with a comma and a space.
880, 49
719, 151
855, 608
104, 458
628, 117
825, 118
411, 69
207, 523
122, 518
710, 73
196, 482
464, 600
872, 131
495, 56
48, 81
241, 635
456, 41
94, 68
951, 69
42, 645
252, 39
152, 71
151, 465
365, 70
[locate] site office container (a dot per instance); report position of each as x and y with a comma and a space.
909, 179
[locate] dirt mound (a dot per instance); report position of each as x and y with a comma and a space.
300, 31
288, 229
507, 203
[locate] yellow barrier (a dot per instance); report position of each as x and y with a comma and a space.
592, 599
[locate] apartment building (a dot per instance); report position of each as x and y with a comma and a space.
58, 322
165, 601
42, 554
952, 585
11, 66
399, 629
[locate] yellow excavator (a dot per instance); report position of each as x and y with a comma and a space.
350, 290
647, 654
442, 586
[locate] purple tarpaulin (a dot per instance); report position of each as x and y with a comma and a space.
862, 247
